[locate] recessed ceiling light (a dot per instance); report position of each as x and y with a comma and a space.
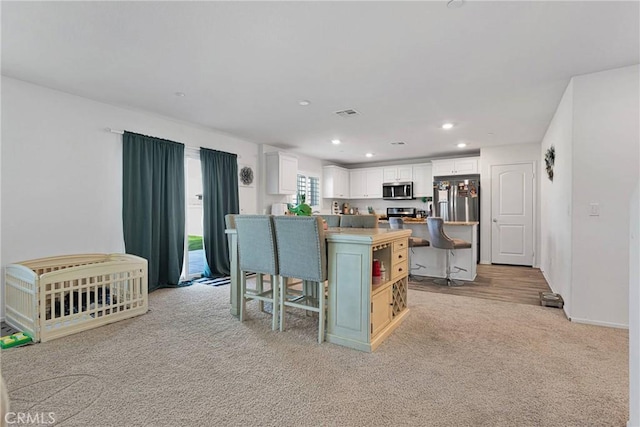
336, 141
369, 154
304, 102
455, 4
462, 145
447, 125
180, 94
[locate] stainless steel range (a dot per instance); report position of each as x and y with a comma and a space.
398, 212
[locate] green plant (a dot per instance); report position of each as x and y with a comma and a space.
301, 209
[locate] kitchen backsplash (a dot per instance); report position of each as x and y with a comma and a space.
379, 205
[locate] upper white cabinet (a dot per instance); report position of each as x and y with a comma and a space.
282, 173
397, 174
335, 182
422, 180
461, 166
365, 183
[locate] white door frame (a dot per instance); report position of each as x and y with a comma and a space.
534, 207
189, 153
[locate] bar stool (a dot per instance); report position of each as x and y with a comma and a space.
302, 254
332, 220
396, 223
440, 240
359, 221
257, 253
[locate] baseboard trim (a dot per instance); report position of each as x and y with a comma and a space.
599, 323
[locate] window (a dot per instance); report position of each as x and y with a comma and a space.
309, 186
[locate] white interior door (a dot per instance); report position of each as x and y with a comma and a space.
512, 214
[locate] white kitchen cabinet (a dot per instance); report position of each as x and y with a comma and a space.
365, 183
335, 182
357, 183
282, 173
422, 180
397, 173
461, 166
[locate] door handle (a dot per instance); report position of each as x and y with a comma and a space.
495, 220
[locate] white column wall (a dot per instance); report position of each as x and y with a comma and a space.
555, 202
62, 172
504, 155
606, 148
634, 310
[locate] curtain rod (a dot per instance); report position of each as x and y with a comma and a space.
193, 149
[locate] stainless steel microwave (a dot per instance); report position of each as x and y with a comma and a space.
397, 190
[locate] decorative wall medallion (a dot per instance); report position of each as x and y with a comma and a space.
246, 175
549, 160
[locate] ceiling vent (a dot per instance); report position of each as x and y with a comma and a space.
347, 113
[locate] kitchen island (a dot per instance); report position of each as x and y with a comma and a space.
360, 315
430, 261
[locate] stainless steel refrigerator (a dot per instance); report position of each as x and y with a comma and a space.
457, 198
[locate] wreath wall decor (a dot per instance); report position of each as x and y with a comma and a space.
549, 160
246, 175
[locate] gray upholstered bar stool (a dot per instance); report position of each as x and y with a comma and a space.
332, 220
302, 255
396, 223
359, 221
257, 253
440, 240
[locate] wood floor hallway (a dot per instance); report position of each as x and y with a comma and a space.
505, 283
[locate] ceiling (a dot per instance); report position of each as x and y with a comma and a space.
497, 70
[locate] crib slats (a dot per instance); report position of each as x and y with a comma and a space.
58, 296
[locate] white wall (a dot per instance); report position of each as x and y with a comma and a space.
62, 172
634, 309
555, 208
595, 132
504, 155
605, 171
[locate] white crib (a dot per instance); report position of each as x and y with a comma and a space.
53, 297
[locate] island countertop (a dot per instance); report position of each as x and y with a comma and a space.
365, 235
424, 221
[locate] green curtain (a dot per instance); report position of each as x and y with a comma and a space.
153, 205
220, 197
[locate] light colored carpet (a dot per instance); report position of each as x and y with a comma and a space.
455, 361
